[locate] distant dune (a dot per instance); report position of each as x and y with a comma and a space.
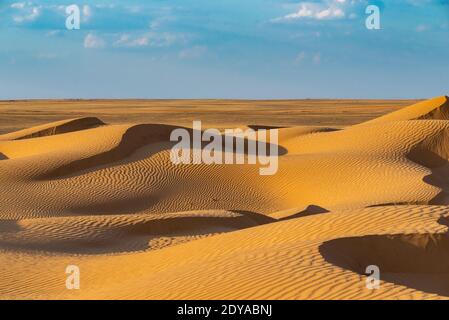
107, 198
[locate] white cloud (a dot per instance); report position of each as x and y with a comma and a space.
300, 57
28, 11
92, 41
159, 21
87, 13
152, 39
105, 6
126, 40
304, 57
322, 10
18, 5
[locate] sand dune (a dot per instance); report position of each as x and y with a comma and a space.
433, 109
54, 128
108, 199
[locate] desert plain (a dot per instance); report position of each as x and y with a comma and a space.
90, 183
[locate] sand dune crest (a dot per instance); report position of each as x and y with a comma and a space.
54, 128
433, 109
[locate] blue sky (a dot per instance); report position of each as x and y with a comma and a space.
255, 49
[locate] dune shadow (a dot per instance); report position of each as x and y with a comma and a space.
71, 126
258, 218
133, 139
263, 127
309, 211
127, 238
143, 135
244, 143
439, 178
434, 154
9, 226
3, 157
418, 261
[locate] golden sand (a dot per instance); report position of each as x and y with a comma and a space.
107, 198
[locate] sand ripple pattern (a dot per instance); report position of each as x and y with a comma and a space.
108, 199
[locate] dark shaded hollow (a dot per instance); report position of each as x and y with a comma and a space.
419, 261
131, 238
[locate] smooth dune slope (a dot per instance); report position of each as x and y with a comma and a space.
433, 109
108, 199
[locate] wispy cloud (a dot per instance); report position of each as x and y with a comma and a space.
87, 13
321, 10
18, 5
27, 11
126, 40
92, 41
151, 38
304, 57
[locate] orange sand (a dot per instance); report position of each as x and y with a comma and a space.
107, 199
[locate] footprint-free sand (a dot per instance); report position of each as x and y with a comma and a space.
90, 183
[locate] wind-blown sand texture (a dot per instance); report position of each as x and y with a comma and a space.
107, 198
